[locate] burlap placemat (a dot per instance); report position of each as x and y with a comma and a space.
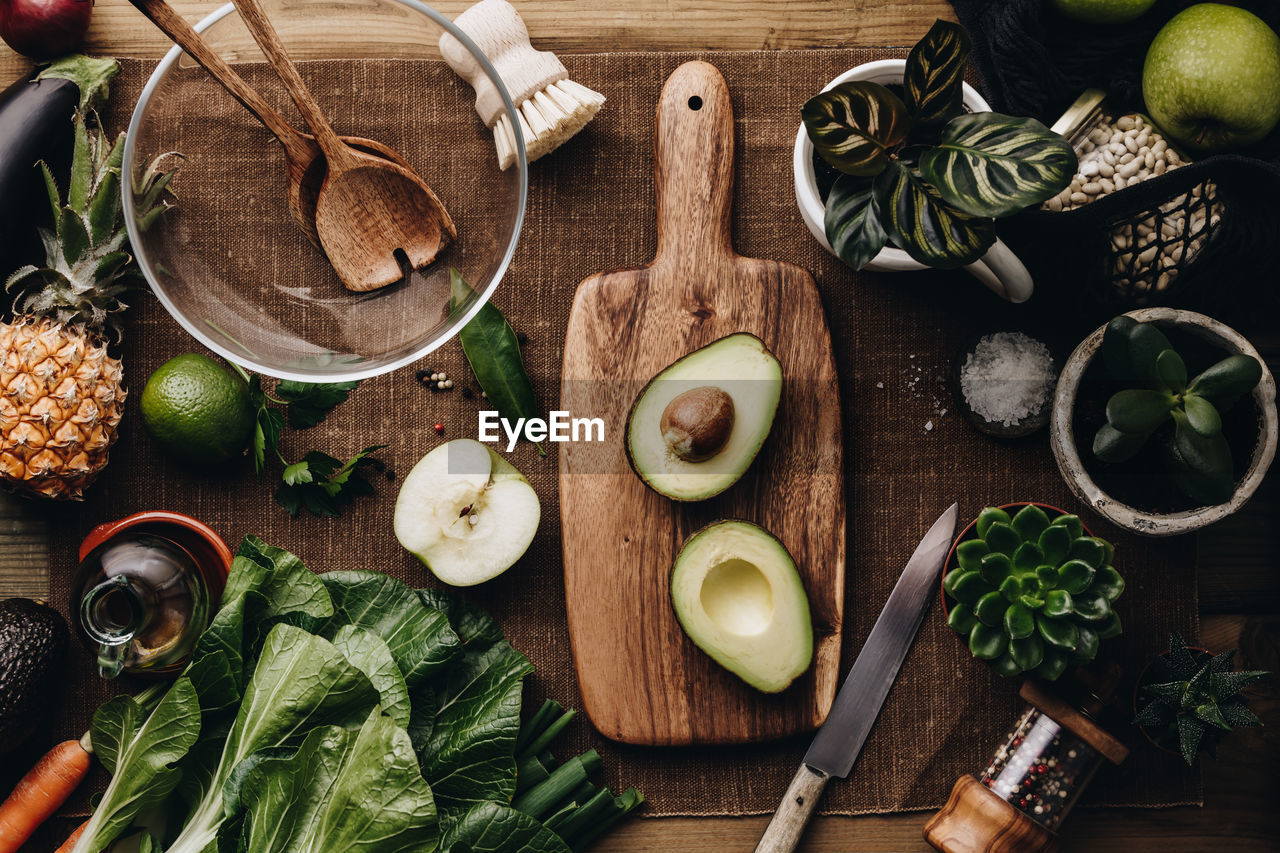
908, 455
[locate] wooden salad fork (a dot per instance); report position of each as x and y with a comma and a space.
303, 158
372, 215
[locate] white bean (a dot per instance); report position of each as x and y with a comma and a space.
1089, 169
1079, 198
1092, 188
1120, 182
1131, 144
1125, 122
1106, 170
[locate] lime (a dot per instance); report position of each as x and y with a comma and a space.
198, 410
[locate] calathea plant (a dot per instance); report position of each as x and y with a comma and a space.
1185, 416
1033, 595
1193, 698
920, 173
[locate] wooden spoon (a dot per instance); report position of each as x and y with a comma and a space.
303, 158
371, 214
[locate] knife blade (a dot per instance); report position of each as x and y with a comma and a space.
840, 739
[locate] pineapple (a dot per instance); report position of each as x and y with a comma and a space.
61, 392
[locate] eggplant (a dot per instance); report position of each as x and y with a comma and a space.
35, 124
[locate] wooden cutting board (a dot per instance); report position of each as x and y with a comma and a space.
643, 681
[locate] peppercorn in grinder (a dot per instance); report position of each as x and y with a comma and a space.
1033, 780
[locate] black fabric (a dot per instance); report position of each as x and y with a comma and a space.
1033, 61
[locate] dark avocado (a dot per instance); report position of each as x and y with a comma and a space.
33, 644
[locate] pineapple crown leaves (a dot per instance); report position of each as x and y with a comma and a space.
88, 266
1031, 594
1201, 702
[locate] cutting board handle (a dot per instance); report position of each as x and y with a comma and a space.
693, 165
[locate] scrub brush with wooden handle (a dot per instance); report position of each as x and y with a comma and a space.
550, 107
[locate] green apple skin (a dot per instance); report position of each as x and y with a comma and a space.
1211, 78
1103, 11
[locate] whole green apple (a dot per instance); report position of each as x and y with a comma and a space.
1211, 79
1103, 11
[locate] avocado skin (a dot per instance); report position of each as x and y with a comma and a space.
33, 644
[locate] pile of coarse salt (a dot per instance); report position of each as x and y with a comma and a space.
1008, 378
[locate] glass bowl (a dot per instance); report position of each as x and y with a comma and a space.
229, 262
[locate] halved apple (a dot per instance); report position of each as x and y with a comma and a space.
466, 513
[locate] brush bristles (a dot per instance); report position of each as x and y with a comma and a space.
547, 120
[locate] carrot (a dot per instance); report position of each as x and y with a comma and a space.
39, 794
70, 843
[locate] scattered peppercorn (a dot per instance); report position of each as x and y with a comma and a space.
468, 394
439, 428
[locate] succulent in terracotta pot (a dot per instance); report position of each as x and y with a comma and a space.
1190, 698
1032, 594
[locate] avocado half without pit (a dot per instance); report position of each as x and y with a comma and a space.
738, 596
696, 427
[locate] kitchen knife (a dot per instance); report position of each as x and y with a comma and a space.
836, 746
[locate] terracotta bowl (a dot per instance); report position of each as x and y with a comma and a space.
1065, 451
206, 547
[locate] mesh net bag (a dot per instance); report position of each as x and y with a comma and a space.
1199, 236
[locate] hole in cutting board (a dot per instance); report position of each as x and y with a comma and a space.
695, 103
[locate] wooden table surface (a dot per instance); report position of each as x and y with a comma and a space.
1239, 570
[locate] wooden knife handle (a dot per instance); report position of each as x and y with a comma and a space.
783, 833
693, 166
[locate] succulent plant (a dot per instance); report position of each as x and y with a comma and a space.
1199, 703
1186, 417
1033, 595
919, 172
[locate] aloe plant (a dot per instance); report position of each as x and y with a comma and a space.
1033, 595
1198, 703
919, 173
1185, 416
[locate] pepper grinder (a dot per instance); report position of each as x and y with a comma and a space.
1032, 782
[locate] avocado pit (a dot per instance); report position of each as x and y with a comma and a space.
696, 424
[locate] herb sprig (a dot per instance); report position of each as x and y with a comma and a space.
319, 483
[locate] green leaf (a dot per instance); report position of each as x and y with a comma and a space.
994, 165
73, 238
1223, 382
1027, 557
1092, 607
82, 163
1028, 652
1138, 411
1201, 415
1006, 666
1059, 633
1053, 665
51, 191
970, 552
91, 75
1055, 543
926, 227
310, 402
368, 653
297, 473
498, 828
969, 588
934, 74
323, 484
104, 209
474, 626
961, 619
990, 609
1087, 642
1172, 371
1074, 576
1030, 522
1130, 350
469, 756
493, 351
1072, 523
988, 643
851, 222
1190, 732
1002, 538
1200, 465
994, 568
1108, 583
1019, 621
140, 752
855, 126
952, 577
1109, 627
1112, 445
418, 636
1089, 549
356, 791
1011, 589
1057, 602
989, 516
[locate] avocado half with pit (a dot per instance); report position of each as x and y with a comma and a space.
696, 427
738, 596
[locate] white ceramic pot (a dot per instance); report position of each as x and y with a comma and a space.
1066, 445
999, 269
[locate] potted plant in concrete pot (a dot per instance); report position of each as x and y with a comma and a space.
922, 177
1164, 421
1188, 699
1029, 590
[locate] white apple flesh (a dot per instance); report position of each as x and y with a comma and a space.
466, 513
1211, 79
